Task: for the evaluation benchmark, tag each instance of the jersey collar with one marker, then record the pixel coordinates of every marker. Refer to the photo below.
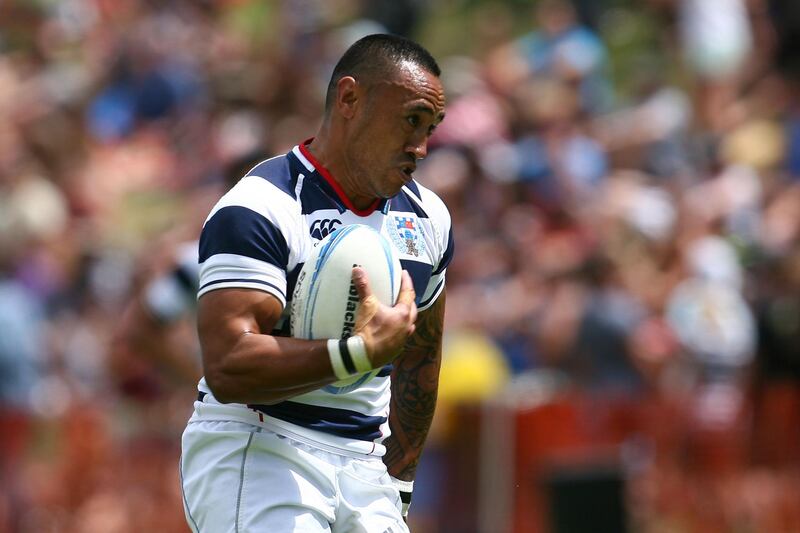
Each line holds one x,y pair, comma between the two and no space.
313,164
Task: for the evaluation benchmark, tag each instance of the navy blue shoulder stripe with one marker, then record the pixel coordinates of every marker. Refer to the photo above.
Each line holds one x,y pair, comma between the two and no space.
339,422
448,253
278,172
241,231
414,188
404,202
296,166
316,196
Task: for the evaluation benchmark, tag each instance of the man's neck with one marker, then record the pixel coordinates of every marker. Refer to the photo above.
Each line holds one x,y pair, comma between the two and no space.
328,154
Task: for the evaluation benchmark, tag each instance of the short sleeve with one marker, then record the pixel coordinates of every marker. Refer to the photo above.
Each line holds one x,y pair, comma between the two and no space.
247,240
444,246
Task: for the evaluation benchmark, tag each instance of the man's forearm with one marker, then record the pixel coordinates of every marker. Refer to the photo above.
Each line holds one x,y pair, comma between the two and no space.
415,382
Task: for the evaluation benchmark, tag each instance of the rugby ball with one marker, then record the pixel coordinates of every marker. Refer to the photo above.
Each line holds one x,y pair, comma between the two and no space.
325,300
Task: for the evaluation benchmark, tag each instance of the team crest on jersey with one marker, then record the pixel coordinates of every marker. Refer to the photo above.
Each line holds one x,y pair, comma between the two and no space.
406,234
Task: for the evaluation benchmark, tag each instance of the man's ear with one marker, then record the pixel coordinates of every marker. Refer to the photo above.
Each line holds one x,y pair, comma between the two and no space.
348,95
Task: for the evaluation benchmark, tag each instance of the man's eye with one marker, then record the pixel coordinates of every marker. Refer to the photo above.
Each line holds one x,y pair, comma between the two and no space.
413,120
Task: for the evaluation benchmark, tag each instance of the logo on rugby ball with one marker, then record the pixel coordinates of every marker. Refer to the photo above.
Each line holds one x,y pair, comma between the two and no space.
406,234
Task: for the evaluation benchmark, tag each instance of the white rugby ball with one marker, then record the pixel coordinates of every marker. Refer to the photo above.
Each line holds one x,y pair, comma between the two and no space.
325,300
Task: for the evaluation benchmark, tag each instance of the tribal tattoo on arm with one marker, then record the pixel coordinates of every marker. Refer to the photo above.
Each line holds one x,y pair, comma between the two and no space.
415,382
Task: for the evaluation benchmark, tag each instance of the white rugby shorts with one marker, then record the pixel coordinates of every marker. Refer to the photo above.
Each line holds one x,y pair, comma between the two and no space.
237,477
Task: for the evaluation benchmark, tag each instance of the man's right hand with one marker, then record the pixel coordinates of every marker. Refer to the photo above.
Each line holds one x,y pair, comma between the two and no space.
384,329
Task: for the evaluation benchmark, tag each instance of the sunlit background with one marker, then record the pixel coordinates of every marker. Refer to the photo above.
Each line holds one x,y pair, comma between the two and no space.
622,347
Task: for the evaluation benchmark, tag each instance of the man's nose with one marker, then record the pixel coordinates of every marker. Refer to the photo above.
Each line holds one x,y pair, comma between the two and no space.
418,147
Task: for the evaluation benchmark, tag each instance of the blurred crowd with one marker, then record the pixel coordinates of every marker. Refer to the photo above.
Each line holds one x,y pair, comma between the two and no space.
624,180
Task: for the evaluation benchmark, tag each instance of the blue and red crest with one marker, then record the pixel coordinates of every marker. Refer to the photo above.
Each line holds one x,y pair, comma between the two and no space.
406,234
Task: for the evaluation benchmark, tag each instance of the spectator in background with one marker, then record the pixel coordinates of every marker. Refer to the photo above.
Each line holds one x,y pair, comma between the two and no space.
150,328
561,48
716,40
587,327
713,271
22,325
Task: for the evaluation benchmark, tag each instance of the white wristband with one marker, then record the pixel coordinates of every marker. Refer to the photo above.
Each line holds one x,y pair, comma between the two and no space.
405,488
339,370
348,356
358,351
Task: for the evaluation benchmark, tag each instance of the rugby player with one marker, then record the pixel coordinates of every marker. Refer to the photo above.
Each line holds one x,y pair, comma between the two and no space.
274,443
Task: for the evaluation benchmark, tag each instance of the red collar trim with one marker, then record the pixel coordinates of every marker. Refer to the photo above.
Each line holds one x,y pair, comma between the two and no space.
335,185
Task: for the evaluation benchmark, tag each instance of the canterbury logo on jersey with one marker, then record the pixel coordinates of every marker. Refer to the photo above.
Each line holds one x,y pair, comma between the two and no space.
322,228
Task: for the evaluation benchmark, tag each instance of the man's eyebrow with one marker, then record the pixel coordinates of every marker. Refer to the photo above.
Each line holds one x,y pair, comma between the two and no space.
426,109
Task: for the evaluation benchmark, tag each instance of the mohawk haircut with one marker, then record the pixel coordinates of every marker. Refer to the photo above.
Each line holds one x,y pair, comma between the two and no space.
376,57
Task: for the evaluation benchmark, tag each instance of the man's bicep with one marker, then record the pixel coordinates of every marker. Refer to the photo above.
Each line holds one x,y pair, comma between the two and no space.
224,315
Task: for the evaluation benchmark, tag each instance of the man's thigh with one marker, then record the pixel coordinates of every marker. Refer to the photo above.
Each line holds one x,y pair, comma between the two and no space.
369,502
237,477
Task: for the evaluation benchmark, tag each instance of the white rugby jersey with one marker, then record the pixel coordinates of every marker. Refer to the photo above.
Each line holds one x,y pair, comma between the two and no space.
259,235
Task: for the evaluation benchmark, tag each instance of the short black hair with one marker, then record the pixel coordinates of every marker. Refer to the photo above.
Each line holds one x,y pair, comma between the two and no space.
375,57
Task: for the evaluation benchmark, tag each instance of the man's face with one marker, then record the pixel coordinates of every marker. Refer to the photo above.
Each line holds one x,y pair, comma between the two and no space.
391,130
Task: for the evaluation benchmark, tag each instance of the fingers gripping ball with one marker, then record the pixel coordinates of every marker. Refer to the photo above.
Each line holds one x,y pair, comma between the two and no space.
325,302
